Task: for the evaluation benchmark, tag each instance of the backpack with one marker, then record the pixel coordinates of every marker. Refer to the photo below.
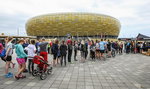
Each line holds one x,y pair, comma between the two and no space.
3,53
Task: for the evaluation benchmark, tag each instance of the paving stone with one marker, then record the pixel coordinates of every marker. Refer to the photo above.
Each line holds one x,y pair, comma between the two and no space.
44,88
80,87
72,86
35,88
9,82
9,87
106,87
18,87
98,87
89,87
26,87
31,83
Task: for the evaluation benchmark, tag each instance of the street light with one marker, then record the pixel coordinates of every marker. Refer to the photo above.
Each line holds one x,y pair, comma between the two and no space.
18,31
97,35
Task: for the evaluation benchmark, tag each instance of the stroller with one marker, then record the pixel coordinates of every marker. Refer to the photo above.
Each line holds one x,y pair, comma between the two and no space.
43,68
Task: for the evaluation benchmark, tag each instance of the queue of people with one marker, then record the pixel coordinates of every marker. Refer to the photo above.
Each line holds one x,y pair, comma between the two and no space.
62,51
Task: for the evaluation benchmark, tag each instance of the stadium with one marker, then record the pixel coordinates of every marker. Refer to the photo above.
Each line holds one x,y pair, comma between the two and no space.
73,24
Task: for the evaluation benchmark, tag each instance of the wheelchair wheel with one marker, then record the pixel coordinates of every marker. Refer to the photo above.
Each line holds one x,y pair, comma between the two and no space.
43,76
49,71
34,73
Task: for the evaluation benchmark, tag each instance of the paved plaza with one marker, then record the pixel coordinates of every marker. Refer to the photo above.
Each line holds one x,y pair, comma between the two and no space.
127,71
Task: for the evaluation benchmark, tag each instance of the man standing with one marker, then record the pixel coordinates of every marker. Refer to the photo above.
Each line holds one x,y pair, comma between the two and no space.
43,49
102,48
75,50
69,51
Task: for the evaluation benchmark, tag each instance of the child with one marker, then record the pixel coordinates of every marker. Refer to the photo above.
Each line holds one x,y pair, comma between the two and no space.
31,49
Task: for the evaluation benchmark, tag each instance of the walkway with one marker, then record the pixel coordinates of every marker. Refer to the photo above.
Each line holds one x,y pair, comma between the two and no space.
127,71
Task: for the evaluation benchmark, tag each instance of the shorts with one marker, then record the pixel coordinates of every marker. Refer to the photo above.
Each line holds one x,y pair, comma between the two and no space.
20,60
97,50
9,58
101,51
54,56
109,49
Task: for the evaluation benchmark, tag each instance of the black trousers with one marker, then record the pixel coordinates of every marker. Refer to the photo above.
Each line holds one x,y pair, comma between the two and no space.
75,54
48,50
30,65
86,53
69,55
63,57
127,50
120,50
92,54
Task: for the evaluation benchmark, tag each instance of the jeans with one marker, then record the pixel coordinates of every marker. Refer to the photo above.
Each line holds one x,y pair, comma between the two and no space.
75,54
69,55
63,57
30,66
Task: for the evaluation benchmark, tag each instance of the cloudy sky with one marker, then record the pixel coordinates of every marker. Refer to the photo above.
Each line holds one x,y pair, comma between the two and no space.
134,15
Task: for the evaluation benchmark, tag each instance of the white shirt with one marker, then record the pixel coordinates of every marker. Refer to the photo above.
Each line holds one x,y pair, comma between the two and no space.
9,45
97,45
31,50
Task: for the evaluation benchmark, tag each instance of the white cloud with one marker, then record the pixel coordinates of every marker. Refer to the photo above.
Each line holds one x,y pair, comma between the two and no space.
130,12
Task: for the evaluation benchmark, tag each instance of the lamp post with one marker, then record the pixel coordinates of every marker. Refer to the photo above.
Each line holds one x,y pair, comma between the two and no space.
18,31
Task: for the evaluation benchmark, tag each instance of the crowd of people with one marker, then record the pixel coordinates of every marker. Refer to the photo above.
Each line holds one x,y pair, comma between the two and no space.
61,51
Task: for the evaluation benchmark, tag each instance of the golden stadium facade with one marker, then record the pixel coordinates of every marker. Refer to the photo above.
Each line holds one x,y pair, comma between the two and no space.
75,24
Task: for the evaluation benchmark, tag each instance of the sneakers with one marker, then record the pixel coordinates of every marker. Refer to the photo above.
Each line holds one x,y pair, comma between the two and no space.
9,75
20,77
75,60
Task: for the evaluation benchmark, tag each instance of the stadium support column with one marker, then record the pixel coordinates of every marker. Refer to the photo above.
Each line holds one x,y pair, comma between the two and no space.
77,35
87,34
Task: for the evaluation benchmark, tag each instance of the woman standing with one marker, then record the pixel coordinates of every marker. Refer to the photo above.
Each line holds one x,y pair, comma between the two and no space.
92,50
20,59
63,52
75,50
2,52
55,52
82,51
69,51
97,49
8,56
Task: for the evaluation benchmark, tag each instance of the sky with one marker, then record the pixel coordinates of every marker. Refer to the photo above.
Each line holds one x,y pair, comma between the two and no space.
134,15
